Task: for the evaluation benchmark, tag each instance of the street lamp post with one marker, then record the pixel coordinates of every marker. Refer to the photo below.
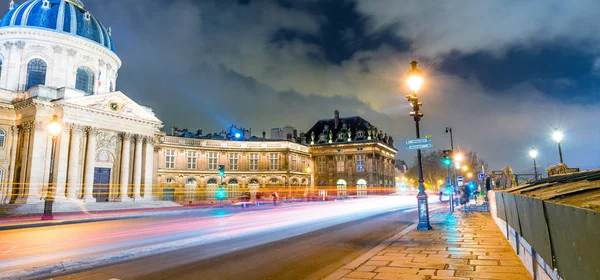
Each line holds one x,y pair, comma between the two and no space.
533,154
415,80
558,137
54,129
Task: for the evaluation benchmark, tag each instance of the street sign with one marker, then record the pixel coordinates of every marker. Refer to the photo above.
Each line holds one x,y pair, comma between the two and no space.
418,146
481,176
417,141
459,179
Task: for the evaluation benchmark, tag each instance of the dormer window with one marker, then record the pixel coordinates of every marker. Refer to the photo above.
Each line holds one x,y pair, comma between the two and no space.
360,134
341,136
322,138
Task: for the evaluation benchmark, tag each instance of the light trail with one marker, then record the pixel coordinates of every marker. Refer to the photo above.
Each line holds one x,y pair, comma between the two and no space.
27,248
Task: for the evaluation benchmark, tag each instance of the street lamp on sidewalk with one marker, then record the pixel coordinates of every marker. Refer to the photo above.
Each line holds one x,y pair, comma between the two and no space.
558,137
414,81
533,154
54,129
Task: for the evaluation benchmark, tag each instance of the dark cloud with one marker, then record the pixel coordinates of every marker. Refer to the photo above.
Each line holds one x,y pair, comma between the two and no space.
494,71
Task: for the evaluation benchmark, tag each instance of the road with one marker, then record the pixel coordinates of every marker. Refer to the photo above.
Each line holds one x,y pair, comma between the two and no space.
320,234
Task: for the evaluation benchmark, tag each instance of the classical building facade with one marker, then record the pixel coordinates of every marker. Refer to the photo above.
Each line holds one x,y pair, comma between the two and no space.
351,156
58,60
188,168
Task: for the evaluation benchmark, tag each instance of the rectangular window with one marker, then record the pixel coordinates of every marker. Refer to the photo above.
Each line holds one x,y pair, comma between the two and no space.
191,159
213,160
253,161
360,162
340,163
294,162
274,161
170,158
233,161
322,165
303,164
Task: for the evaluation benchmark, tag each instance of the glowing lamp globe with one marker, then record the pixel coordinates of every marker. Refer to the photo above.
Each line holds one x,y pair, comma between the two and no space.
415,78
54,127
308,170
557,136
533,153
458,158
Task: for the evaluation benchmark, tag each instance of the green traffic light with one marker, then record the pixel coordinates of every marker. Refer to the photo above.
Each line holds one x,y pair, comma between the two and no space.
447,161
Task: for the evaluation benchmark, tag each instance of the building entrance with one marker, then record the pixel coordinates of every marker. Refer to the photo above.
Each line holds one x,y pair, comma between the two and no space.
101,184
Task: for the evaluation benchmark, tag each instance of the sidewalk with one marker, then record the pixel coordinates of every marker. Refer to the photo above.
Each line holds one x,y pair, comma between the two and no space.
461,246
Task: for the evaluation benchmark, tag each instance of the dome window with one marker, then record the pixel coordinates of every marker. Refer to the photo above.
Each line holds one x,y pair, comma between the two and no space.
46,4
36,73
85,80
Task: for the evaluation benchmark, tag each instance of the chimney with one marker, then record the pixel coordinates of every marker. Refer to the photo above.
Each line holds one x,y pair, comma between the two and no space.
264,135
173,130
336,116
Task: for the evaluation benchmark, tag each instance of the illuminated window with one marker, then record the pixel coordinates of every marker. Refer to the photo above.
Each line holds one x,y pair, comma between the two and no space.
2,138
253,161
191,159
233,189
303,164
211,188
341,187
321,163
340,163
274,161
170,159
361,187
294,162
190,190
233,161
360,162
213,158
85,80
36,73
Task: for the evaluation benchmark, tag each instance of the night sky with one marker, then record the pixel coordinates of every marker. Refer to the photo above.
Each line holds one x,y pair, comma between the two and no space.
503,74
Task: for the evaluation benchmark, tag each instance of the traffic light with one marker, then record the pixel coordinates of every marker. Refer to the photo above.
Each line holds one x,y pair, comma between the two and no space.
221,193
447,161
221,170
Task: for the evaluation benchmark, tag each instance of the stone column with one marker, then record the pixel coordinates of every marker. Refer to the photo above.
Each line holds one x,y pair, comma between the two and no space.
125,153
137,168
60,163
149,168
73,171
10,177
90,165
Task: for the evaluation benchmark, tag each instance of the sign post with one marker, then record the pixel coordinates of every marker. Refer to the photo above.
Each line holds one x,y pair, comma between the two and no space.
418,144
459,180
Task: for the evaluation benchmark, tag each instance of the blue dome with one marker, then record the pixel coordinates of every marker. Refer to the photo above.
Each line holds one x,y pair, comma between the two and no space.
65,16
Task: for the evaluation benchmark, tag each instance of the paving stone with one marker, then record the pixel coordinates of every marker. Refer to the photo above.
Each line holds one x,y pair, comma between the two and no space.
483,262
399,276
426,272
399,270
444,273
361,275
501,269
460,267
376,263
419,265
366,268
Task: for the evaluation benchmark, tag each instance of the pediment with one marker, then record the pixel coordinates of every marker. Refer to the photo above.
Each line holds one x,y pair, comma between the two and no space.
114,103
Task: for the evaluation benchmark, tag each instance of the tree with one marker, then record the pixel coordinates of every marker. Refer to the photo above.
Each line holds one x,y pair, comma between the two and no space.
434,171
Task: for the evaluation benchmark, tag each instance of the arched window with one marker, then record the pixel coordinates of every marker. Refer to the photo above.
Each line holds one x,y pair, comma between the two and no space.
36,73
211,189
233,188
361,187
85,80
1,63
190,190
341,187
2,138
